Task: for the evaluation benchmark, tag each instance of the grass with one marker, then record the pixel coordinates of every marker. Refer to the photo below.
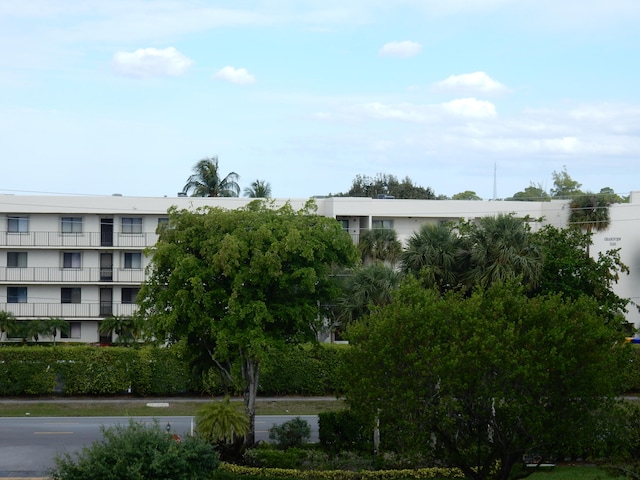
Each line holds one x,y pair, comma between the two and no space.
138,407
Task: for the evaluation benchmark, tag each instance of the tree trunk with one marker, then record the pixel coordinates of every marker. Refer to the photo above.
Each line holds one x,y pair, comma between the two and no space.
250,374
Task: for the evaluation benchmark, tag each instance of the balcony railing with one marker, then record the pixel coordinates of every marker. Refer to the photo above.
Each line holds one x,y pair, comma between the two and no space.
85,239
67,310
71,275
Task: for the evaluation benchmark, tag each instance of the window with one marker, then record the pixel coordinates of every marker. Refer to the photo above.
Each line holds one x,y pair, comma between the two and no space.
132,225
71,224
382,224
344,223
70,295
16,259
129,295
16,294
72,260
17,224
74,330
133,260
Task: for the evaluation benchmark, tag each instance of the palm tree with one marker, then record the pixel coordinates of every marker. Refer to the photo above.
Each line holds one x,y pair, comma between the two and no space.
501,249
207,181
8,323
379,245
589,212
365,288
258,189
222,422
52,325
434,254
126,328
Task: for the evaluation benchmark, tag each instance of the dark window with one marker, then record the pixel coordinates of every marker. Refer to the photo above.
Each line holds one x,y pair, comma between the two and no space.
17,224
71,224
129,295
74,330
132,225
133,260
71,260
70,295
16,259
16,294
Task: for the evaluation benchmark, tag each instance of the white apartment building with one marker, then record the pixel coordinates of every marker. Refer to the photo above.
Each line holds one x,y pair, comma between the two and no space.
80,258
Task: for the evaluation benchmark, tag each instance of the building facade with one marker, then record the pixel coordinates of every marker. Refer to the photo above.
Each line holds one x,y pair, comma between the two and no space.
81,258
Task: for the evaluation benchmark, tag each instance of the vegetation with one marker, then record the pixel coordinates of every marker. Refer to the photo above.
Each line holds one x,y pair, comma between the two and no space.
221,422
292,433
233,284
138,452
258,189
481,381
207,181
386,185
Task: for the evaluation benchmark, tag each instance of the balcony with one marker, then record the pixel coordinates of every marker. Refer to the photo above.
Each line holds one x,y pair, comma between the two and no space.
71,275
70,240
67,310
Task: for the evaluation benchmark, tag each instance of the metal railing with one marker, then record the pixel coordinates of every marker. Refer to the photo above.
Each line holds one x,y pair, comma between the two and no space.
84,239
71,275
68,310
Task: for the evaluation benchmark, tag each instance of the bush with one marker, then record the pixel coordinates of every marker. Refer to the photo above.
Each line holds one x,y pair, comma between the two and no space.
293,433
138,452
343,430
269,457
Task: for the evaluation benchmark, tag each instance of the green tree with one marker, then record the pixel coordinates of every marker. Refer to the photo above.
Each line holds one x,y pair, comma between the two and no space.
207,181
234,283
138,452
221,422
500,249
477,382
365,288
533,193
258,189
564,187
384,184
435,255
568,269
466,195
127,328
51,327
379,245
8,323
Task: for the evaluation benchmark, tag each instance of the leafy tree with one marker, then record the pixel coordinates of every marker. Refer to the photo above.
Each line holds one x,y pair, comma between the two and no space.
365,288
387,185
138,452
533,193
500,249
258,189
477,382
207,181
609,195
564,187
379,245
466,195
435,255
234,283
8,323
568,269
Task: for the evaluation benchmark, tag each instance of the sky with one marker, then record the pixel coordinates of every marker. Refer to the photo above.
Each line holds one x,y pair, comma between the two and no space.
492,96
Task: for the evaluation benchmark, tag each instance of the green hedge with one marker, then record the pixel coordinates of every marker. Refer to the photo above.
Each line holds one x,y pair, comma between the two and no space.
147,370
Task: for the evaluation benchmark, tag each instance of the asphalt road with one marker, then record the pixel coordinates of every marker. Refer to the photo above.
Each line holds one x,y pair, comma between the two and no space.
28,445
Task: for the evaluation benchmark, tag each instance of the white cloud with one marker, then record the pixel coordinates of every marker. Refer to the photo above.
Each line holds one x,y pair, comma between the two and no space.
235,75
470,108
478,82
151,62
405,48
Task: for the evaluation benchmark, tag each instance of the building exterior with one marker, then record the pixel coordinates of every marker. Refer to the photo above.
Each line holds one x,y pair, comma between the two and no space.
81,258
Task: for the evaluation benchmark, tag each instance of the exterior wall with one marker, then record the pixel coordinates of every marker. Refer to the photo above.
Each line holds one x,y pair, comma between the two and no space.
53,263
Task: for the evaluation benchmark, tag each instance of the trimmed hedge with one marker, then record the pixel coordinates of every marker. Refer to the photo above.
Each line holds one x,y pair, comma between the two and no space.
148,370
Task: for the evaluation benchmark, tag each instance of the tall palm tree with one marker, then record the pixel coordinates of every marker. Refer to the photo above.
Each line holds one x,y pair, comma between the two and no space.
258,189
589,213
7,323
53,325
207,181
434,254
379,245
502,249
126,328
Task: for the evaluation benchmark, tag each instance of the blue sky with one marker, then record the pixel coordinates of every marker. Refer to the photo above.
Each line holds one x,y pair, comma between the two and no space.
125,96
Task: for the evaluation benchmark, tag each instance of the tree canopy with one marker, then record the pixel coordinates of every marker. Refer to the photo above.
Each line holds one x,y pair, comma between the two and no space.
232,283
207,181
384,184
477,382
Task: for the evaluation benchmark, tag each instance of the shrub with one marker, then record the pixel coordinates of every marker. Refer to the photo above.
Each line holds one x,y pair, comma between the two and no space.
293,433
138,452
343,430
269,457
